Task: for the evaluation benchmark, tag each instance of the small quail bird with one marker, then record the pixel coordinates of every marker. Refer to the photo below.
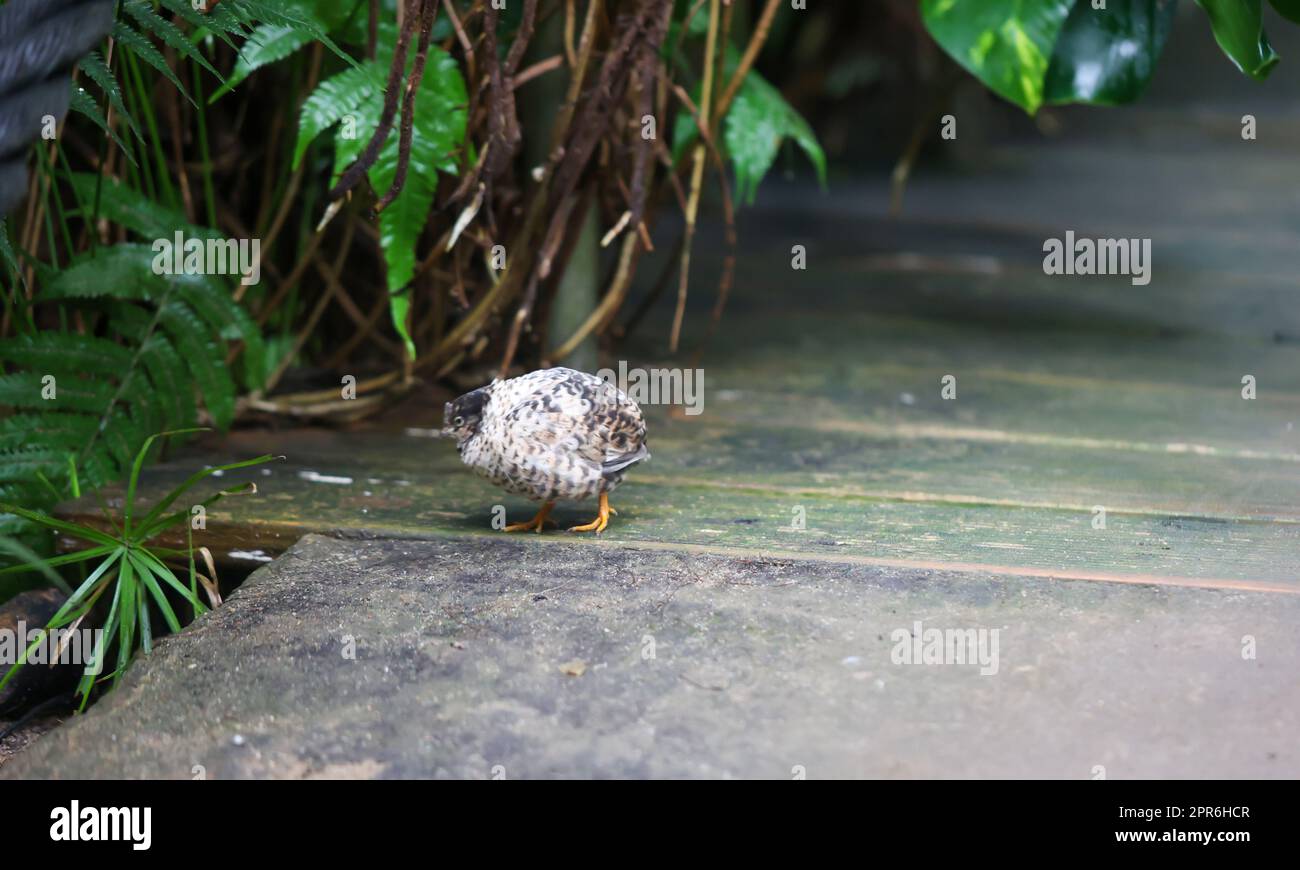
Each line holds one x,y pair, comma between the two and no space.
551,434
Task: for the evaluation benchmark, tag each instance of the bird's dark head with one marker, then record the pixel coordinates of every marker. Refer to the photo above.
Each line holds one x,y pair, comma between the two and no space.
461,418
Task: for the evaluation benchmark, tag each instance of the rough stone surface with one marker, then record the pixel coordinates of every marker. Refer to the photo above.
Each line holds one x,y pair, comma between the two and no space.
514,658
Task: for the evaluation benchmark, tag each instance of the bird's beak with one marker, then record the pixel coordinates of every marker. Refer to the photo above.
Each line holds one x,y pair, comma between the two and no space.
446,418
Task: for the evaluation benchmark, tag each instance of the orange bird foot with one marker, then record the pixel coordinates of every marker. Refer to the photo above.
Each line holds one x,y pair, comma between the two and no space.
536,523
598,524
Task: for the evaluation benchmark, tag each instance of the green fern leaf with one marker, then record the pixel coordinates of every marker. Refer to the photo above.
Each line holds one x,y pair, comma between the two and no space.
145,50
267,44
28,390
119,433
287,16
22,464
221,16
124,205
64,352
121,271
335,98
83,104
66,432
7,252
437,134
229,320
196,310
203,358
169,33
164,366
218,21
98,72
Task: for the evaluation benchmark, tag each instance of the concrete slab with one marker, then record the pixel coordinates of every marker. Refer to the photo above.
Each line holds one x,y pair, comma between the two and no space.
482,657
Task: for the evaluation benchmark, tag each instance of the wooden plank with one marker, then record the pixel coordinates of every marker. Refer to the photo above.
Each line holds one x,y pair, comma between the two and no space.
418,493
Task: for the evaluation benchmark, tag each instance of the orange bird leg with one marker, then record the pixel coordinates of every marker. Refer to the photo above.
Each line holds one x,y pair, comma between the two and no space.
598,524
536,523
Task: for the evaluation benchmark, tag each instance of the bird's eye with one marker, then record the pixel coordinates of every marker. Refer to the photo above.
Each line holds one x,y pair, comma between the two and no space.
459,421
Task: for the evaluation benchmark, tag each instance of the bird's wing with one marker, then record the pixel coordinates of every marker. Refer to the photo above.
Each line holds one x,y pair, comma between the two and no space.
580,413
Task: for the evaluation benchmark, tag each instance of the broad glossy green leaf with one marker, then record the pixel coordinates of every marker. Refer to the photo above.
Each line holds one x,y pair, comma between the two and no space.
754,128
1238,27
1107,56
758,121
1006,44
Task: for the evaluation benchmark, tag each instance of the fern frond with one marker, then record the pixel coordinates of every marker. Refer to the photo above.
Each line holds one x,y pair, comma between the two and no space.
49,352
222,26
83,104
203,358
7,252
288,16
221,17
29,390
164,366
228,318
267,44
23,464
147,52
123,205
97,71
169,33
109,272
339,95
65,433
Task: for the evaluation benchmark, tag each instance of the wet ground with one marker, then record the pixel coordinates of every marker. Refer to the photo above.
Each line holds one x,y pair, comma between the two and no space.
1098,501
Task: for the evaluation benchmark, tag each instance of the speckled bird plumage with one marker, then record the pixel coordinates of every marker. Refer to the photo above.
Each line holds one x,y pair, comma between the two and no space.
550,434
